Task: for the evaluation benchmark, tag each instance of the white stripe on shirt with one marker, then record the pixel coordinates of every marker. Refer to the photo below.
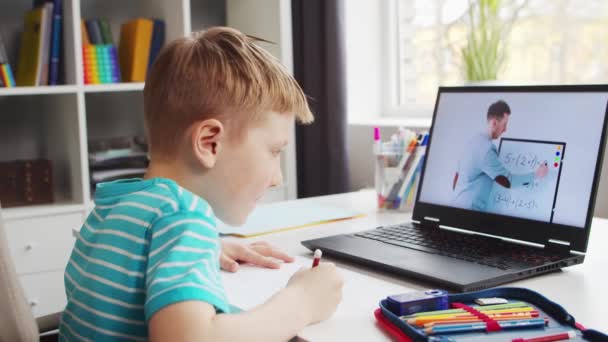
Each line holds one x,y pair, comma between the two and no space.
186,233
104,280
166,228
94,212
132,204
73,333
115,232
161,197
182,263
194,203
108,265
129,219
189,284
109,248
107,315
100,296
204,280
103,331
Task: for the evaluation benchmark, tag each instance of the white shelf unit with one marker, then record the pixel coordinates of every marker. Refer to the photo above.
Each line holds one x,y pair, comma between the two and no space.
56,122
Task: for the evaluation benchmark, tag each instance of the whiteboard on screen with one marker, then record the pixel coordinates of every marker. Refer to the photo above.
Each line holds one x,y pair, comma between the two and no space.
536,200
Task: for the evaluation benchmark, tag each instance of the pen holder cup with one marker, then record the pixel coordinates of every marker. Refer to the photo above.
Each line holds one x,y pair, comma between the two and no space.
393,192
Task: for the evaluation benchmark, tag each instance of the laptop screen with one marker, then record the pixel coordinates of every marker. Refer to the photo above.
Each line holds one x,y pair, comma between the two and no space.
526,155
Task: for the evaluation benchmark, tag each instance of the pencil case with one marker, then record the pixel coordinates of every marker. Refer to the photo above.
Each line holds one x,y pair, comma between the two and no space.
559,320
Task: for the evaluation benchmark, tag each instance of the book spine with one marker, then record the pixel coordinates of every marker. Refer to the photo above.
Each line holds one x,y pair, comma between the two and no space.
94,32
106,32
158,39
56,43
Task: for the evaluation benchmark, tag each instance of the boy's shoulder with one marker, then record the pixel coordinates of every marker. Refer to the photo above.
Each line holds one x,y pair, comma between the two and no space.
161,196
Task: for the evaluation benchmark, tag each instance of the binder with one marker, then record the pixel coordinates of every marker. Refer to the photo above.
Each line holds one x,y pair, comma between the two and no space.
158,39
134,49
30,54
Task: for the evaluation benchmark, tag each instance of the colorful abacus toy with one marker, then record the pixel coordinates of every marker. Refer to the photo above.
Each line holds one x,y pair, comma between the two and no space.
100,64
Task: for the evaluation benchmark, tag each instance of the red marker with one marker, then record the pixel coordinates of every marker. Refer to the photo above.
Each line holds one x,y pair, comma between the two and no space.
549,338
317,258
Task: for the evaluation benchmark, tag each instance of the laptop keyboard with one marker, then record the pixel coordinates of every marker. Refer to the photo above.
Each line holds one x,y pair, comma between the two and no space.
474,248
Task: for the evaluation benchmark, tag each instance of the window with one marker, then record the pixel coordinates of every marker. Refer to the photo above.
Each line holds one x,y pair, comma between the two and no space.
549,42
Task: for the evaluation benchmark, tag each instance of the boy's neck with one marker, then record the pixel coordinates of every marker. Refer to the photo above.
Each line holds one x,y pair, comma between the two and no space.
158,169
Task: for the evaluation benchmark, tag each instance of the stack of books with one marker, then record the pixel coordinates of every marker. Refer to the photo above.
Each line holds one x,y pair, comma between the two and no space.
117,158
40,50
140,42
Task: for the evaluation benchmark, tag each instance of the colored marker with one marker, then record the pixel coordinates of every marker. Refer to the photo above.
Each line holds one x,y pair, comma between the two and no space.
474,319
317,258
477,307
549,338
425,320
416,320
505,325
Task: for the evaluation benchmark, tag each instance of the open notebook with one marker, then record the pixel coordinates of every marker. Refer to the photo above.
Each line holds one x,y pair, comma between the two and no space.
262,283
281,216
251,286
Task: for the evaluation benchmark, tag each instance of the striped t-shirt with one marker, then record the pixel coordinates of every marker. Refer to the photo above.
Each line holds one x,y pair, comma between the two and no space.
146,244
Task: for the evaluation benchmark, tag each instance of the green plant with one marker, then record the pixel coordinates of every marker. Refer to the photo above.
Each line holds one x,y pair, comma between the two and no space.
484,52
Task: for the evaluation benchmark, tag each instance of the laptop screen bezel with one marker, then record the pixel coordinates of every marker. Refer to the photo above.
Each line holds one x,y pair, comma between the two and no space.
507,226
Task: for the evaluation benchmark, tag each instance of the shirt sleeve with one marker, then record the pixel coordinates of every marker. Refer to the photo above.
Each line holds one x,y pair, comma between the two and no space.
493,167
183,263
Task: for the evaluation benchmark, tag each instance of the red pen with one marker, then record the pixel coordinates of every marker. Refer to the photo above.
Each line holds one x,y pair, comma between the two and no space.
317,258
549,338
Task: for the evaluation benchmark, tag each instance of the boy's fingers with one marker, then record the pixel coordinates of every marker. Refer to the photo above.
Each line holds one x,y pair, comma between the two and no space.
269,251
260,243
228,264
253,257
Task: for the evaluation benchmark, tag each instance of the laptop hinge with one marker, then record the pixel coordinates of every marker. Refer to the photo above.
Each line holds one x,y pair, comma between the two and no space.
558,246
429,221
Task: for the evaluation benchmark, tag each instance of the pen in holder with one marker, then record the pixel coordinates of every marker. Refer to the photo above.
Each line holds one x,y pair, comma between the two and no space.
397,170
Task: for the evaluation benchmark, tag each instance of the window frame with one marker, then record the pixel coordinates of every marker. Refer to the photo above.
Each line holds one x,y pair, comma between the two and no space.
391,109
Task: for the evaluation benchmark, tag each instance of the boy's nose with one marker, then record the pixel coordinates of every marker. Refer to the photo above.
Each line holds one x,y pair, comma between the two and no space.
277,179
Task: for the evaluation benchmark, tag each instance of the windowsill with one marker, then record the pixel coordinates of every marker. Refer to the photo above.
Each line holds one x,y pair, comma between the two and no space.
411,122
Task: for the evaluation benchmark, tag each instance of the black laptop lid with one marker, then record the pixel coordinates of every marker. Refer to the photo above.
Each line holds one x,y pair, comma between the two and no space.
518,162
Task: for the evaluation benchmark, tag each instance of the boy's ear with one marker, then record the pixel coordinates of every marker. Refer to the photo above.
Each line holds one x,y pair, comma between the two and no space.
207,141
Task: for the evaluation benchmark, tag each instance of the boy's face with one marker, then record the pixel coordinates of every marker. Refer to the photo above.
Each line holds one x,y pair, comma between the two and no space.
247,166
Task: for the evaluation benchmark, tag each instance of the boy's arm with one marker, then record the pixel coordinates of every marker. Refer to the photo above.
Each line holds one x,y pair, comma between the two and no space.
197,321
311,295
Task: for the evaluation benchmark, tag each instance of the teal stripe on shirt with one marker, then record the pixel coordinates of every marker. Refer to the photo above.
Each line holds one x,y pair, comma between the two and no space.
147,244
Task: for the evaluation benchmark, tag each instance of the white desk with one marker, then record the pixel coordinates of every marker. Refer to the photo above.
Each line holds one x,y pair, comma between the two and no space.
581,289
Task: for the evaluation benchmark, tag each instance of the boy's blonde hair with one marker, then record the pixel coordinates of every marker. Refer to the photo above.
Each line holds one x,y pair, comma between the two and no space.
217,73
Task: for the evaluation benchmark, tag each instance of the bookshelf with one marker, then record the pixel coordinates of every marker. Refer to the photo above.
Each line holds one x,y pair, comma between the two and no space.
56,122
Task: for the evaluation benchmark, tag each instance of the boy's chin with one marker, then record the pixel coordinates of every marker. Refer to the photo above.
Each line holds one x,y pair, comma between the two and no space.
235,220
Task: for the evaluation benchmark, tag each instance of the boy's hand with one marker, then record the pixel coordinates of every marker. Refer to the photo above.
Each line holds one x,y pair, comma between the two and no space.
259,253
320,288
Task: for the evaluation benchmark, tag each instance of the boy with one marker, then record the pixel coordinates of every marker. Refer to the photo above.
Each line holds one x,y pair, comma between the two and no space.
218,111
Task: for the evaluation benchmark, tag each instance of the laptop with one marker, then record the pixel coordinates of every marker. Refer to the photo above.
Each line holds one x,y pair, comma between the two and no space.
498,201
